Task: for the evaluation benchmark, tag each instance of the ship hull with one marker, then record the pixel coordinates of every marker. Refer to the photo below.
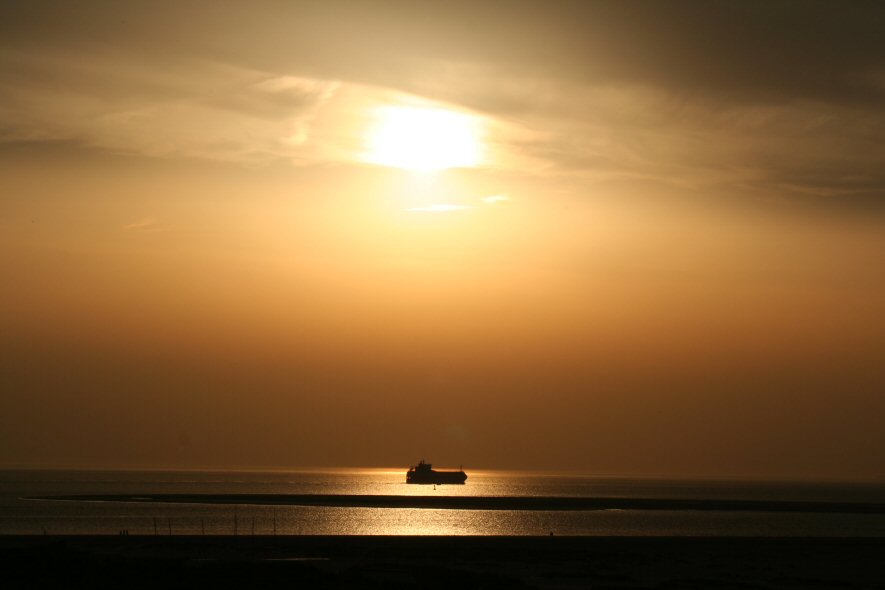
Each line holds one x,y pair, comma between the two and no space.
437,477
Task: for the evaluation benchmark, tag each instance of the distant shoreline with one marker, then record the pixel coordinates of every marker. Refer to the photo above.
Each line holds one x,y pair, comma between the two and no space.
484,502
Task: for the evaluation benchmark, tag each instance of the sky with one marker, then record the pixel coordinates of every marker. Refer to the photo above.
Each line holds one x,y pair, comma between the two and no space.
615,238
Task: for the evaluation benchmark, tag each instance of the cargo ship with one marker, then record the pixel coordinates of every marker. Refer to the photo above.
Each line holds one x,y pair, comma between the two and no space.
424,473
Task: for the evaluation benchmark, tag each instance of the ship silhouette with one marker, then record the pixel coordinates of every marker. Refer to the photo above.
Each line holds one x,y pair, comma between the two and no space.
424,473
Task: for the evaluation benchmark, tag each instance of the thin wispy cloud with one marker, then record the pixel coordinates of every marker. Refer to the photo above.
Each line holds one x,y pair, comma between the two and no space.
143,224
491,200
440,208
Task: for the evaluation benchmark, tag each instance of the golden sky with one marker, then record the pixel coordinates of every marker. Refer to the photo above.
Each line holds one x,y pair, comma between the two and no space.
609,237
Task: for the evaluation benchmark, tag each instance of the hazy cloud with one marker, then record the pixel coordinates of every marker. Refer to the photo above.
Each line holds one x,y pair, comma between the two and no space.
194,109
697,94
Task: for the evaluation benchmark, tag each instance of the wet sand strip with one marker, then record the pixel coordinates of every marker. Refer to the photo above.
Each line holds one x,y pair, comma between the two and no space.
487,502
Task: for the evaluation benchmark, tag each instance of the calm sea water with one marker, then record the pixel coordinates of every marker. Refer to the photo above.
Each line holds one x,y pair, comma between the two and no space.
19,515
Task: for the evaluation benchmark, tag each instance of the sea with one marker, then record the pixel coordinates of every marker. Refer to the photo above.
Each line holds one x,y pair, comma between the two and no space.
22,514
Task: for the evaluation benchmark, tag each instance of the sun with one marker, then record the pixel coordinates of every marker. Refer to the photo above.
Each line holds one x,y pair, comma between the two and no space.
424,139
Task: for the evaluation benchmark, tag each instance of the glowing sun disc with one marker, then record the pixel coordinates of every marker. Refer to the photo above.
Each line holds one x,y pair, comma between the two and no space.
423,139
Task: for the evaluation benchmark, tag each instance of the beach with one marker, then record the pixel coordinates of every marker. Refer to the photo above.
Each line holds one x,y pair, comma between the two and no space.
349,529
437,562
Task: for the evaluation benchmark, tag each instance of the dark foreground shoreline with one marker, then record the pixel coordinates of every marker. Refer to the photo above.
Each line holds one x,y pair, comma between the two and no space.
441,562
442,502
